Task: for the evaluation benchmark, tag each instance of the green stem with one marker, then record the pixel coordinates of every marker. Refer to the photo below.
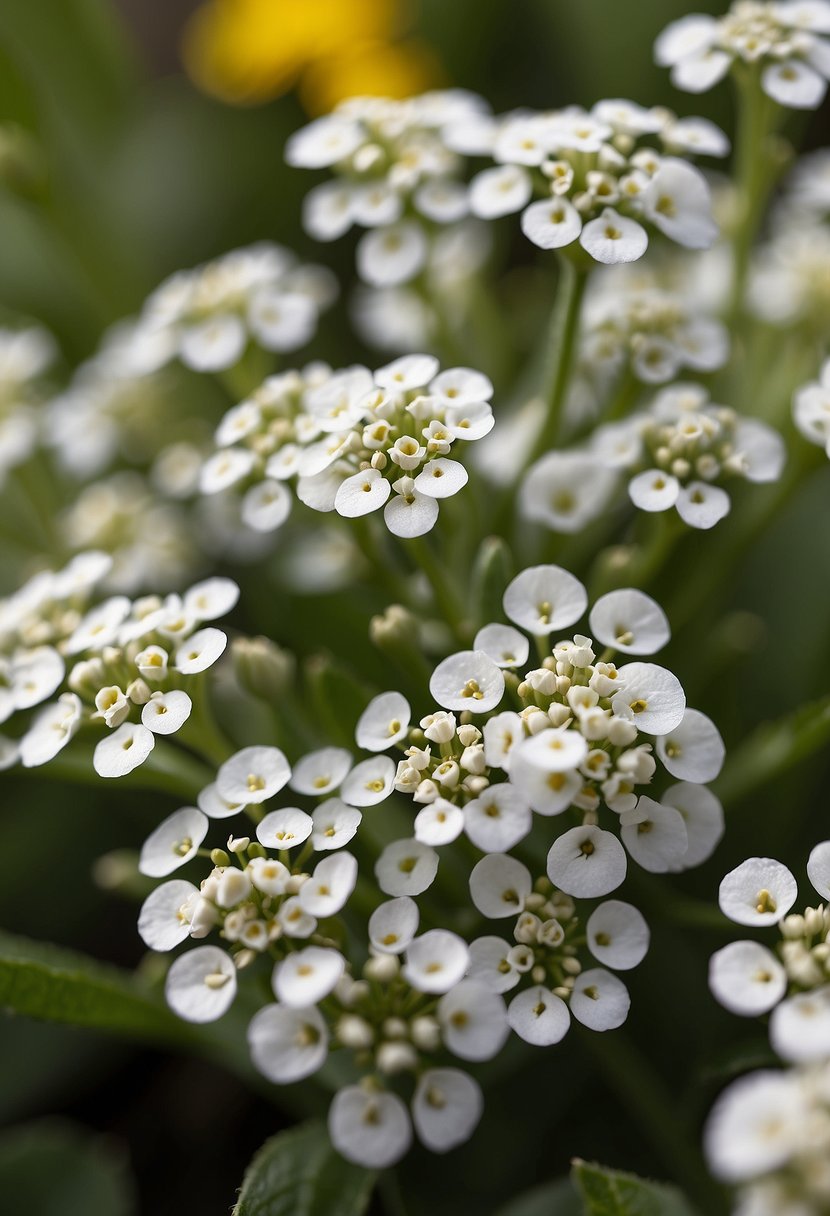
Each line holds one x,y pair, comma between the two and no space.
562,349
753,178
446,599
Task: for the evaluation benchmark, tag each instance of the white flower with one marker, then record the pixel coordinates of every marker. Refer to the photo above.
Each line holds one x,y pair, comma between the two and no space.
613,238
286,1044
51,730
651,697
655,835
392,255
467,680
553,751
407,373
369,782
446,1108
406,867
294,920
760,449
703,816
266,506
490,964
544,598
693,750
760,891
497,820
410,513
166,712
210,599
330,886
799,1029
566,490
551,223
224,469
324,142
678,202
746,978
173,843
393,925
547,792
600,1000
268,875
501,734
586,862
500,191
618,935
307,976
756,1126
439,823
320,772
163,921
701,505
441,478
334,824
201,650
473,1021
122,751
384,722
34,676
284,829
795,84
253,775
362,493
212,804
281,320
499,886
654,490
98,628
201,984
818,868
630,620
436,961
539,1017
371,1129
503,644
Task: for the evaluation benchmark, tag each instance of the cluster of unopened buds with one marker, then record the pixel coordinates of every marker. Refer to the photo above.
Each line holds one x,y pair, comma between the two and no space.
123,663
356,441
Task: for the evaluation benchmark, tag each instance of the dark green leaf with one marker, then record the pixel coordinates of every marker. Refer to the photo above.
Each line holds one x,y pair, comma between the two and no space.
772,749
611,1193
53,1168
298,1173
553,1199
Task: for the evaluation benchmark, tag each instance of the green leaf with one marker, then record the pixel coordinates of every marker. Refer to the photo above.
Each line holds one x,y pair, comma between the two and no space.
492,571
57,985
772,749
552,1199
52,1168
611,1193
298,1173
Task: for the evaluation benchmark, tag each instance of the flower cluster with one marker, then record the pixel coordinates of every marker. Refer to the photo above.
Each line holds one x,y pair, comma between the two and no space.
207,316
599,178
811,409
396,175
644,329
749,979
579,737
780,41
25,355
678,450
122,663
769,1134
355,440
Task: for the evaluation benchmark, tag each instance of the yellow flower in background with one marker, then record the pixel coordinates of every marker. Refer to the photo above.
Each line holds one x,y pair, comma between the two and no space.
249,51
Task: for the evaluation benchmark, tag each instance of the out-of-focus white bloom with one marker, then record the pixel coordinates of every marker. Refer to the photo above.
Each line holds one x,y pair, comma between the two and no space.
746,978
811,409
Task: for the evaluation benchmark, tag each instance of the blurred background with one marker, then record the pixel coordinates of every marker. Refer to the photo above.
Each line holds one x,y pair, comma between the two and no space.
143,136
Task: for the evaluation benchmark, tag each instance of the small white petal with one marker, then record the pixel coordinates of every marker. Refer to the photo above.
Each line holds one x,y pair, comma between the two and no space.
760,891
439,823
630,620
384,722
500,191
539,1017
499,885
393,925
746,978
166,712
693,750
793,83
600,1000
701,505
174,842
655,835
369,1129
200,651
552,223
320,772
436,961
369,782
799,1029
473,1021
818,868
544,598
467,680
586,862
335,824
361,494
618,935
703,816
612,238
201,984
503,644
654,490
253,775
288,1045
326,892
441,478
651,697
498,819
446,1108
406,867
307,976
125,749
284,829
161,924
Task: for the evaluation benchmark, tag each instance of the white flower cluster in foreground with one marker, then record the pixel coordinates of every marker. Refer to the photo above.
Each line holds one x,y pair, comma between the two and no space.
811,409
749,979
207,316
780,41
422,998
356,441
653,333
122,663
395,175
769,1134
25,355
679,450
602,181
575,737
